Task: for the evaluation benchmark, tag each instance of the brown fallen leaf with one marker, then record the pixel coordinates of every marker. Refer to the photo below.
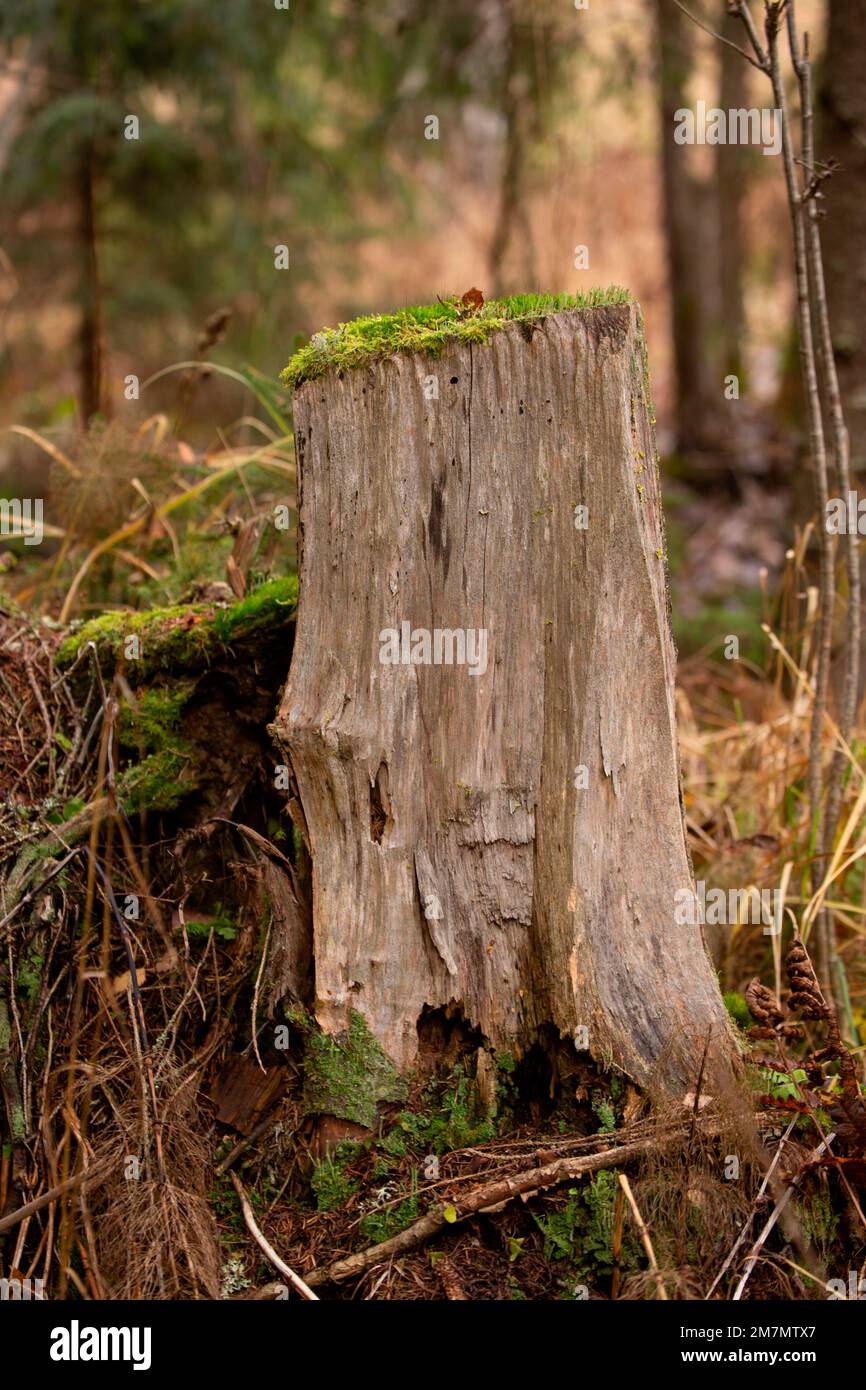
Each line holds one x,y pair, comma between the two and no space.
472,299
120,984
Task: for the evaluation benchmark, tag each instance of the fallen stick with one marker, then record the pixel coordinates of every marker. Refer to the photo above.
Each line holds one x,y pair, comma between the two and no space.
29,1208
243,1144
294,1279
783,1201
644,1235
492,1194
750,1218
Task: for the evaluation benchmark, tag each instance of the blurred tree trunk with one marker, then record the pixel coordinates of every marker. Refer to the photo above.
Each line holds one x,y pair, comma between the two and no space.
732,170
843,233
90,333
512,217
508,845
692,235
86,60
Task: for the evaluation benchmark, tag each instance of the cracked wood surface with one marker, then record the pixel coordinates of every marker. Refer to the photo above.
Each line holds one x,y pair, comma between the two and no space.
454,859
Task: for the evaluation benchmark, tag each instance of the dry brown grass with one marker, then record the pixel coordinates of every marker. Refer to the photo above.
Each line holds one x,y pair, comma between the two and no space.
744,738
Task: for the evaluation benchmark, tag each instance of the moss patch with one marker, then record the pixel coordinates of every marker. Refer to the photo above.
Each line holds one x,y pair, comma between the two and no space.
150,723
428,328
183,637
159,782
349,1076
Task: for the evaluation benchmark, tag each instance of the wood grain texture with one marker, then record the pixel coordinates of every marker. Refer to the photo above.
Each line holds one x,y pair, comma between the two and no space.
424,784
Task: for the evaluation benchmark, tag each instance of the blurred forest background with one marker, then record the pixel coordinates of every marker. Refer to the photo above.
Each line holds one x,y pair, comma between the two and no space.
152,160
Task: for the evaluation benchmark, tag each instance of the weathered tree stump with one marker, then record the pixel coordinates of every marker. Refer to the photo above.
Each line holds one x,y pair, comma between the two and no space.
504,834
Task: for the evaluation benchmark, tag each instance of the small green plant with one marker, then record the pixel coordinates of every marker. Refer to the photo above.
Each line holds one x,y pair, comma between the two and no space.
560,1228
605,1113
222,926
332,1186
820,1221
738,1009
383,1222
581,1232
30,975
781,1085
449,1121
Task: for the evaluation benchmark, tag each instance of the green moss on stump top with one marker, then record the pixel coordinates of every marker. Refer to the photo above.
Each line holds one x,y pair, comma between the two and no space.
429,328
185,636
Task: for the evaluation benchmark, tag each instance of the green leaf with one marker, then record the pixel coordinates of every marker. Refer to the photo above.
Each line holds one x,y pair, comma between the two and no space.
450,1214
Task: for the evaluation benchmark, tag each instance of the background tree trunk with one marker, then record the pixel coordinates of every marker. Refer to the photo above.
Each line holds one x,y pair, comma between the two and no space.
842,137
733,166
455,864
692,240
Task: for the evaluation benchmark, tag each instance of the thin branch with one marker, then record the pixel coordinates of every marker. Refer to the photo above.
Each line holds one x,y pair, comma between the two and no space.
739,9
774,1216
721,38
294,1279
79,1179
644,1235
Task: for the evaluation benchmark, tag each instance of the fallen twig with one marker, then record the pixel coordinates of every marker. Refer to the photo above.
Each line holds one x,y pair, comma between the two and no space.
491,1194
294,1279
29,1208
774,1216
644,1235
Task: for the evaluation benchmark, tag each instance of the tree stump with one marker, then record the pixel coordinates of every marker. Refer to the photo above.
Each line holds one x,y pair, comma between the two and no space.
479,715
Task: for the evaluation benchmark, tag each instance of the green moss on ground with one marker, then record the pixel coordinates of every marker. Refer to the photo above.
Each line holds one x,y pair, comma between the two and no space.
267,607
182,637
159,782
160,767
149,724
429,327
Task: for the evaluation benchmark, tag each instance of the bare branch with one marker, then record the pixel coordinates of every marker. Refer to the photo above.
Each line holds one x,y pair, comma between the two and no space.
297,1283
721,38
739,9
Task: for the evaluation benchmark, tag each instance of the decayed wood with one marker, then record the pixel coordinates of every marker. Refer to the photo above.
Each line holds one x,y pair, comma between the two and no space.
456,857
243,1091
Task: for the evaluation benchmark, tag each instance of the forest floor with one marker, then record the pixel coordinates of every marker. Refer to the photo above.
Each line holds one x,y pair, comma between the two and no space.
173,1054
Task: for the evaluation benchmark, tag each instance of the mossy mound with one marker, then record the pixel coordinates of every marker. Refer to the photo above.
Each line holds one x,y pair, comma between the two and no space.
150,726
199,687
183,637
429,327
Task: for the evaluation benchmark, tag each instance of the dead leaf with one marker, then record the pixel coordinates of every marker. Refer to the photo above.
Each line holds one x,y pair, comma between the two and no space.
472,299
235,577
120,984
703,1101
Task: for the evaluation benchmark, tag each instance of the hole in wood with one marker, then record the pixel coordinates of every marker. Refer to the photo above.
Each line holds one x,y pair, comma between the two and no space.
380,805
